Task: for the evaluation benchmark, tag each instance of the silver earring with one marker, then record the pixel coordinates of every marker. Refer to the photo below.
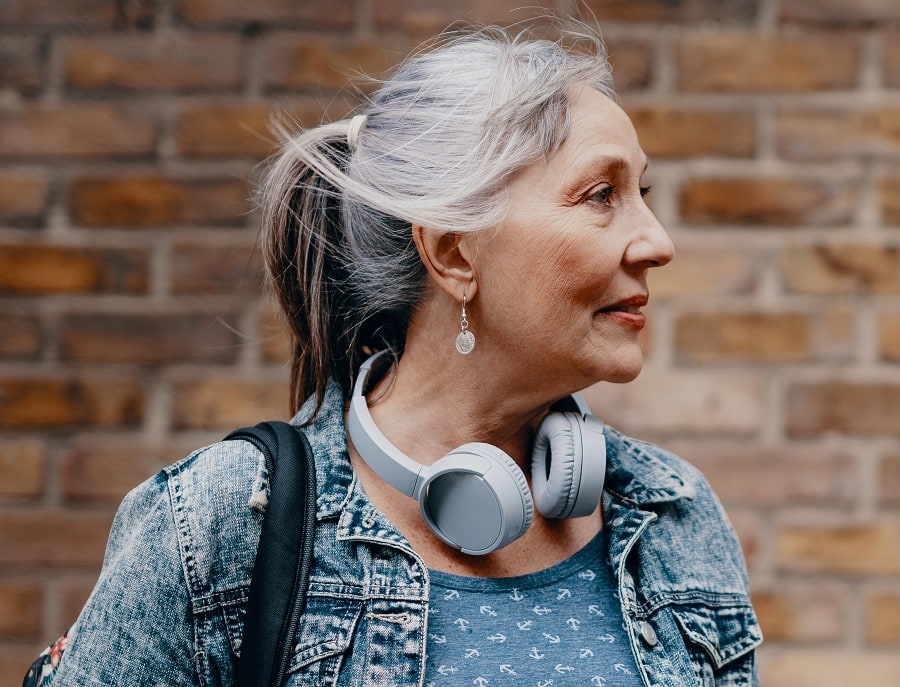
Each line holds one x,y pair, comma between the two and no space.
465,340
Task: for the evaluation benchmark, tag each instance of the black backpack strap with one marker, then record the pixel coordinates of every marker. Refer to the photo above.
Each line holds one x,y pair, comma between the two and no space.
283,557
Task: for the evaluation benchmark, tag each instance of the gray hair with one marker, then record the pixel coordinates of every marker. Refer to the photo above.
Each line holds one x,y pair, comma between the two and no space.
442,137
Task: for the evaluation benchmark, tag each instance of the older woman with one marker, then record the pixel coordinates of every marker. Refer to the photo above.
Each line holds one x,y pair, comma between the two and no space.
454,263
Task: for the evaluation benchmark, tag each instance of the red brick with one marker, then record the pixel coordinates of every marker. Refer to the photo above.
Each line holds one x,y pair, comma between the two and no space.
74,590
16,657
325,13
715,337
632,63
856,408
889,190
23,196
20,609
704,270
77,130
768,201
839,134
220,403
891,60
155,201
22,63
679,11
36,269
228,129
59,13
431,16
889,481
275,339
222,269
764,477
22,467
750,62
889,336
883,618
709,403
148,338
170,62
829,667
840,13
832,268
804,612
841,548
56,402
311,61
20,337
53,538
105,470
670,131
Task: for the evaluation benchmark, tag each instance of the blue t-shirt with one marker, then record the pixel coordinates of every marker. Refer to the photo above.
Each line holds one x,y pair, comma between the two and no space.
557,627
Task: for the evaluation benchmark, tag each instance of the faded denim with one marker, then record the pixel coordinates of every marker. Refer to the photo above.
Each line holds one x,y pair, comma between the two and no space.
168,607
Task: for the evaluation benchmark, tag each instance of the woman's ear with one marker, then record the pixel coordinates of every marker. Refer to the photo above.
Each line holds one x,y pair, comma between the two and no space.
449,258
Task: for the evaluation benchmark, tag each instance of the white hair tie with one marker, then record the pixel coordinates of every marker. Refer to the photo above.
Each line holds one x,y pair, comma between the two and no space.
356,125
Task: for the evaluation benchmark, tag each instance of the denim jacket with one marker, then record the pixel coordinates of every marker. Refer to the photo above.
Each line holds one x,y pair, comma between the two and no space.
168,607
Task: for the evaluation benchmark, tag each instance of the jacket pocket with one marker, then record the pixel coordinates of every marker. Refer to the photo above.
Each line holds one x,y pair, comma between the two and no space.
720,641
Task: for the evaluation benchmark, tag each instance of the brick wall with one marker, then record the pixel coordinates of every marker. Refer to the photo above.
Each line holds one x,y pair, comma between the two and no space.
132,327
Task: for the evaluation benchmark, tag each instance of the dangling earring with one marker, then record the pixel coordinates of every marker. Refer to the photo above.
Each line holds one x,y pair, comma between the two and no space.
465,340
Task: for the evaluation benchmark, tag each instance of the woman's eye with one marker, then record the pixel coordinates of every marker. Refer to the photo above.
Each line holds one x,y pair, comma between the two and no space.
602,195
645,190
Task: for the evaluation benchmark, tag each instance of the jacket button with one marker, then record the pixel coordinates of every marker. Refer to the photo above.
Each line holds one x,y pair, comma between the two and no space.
648,634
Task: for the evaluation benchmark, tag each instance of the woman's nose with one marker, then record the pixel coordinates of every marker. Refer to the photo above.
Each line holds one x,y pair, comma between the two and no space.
652,246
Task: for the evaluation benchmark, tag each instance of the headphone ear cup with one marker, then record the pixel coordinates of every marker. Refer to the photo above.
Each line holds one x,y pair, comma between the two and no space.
568,465
476,499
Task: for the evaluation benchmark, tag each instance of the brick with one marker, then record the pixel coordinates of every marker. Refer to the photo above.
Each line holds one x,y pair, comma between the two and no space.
832,667
20,609
153,338
220,403
22,467
748,528
77,130
709,403
20,337
833,269
231,269
323,13
74,590
856,408
105,470
675,11
53,538
889,191
276,345
889,336
838,134
23,196
154,201
22,60
891,59
715,337
66,402
167,62
431,16
704,270
296,61
670,131
228,129
749,62
59,13
767,477
768,201
868,548
803,612
889,481
840,13
632,63
883,618
37,269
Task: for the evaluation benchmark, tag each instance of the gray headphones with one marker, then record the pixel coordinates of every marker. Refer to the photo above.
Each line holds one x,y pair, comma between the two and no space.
475,498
